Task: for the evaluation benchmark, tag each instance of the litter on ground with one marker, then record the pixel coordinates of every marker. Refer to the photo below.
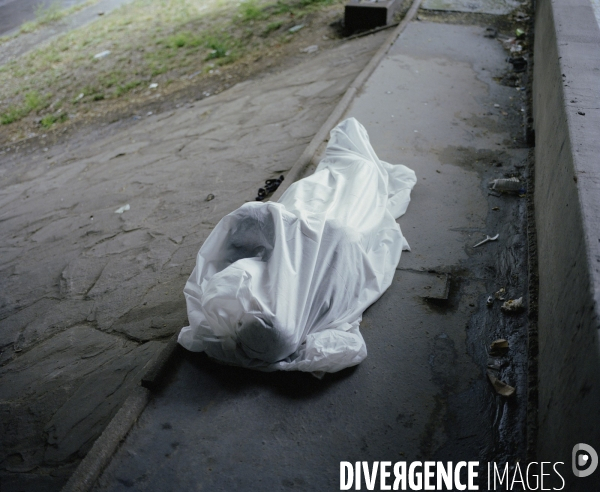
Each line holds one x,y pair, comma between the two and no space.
122,209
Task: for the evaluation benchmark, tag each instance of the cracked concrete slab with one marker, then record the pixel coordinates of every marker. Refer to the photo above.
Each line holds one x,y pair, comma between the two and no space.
61,393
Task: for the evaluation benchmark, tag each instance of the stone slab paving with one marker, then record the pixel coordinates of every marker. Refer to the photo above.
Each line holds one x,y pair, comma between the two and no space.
89,296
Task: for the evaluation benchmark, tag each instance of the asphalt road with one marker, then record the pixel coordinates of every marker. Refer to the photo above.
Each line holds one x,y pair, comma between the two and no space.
13,13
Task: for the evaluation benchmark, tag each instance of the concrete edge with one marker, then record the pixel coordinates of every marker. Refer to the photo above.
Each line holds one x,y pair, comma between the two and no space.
152,376
99,456
322,135
566,111
106,445
90,468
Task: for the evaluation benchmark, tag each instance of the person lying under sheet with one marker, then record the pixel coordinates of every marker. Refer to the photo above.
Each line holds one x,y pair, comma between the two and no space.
283,285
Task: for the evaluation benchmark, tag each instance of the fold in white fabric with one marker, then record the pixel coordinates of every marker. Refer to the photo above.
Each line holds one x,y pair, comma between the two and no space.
283,285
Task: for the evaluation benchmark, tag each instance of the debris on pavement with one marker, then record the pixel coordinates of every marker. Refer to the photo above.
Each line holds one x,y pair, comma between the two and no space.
487,239
500,294
507,185
519,63
506,40
438,287
153,85
270,186
102,54
296,28
499,347
490,32
490,301
210,197
513,305
501,387
521,17
122,209
495,364
310,49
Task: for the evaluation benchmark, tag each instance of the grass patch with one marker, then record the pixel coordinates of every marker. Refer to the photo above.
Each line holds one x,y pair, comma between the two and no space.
50,13
182,40
149,41
32,101
272,26
220,47
50,119
250,10
125,88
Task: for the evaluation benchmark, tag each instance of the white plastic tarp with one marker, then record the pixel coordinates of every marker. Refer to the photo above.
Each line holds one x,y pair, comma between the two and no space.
283,285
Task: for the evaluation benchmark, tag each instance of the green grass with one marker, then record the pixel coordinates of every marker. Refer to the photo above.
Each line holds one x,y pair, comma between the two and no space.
12,114
249,10
51,13
33,101
272,26
125,88
49,120
219,46
181,40
149,40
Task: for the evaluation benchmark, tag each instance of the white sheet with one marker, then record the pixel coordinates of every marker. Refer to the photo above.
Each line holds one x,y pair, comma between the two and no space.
282,286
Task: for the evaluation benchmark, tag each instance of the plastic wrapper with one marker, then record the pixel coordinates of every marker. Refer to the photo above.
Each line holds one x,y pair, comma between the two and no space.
283,285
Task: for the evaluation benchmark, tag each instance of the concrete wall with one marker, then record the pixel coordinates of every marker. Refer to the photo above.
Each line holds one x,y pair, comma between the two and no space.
566,107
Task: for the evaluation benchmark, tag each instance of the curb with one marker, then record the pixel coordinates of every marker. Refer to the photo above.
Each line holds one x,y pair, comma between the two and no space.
90,468
88,471
85,475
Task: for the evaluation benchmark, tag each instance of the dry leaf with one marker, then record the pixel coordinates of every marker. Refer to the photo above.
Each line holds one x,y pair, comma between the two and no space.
501,387
513,305
499,346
